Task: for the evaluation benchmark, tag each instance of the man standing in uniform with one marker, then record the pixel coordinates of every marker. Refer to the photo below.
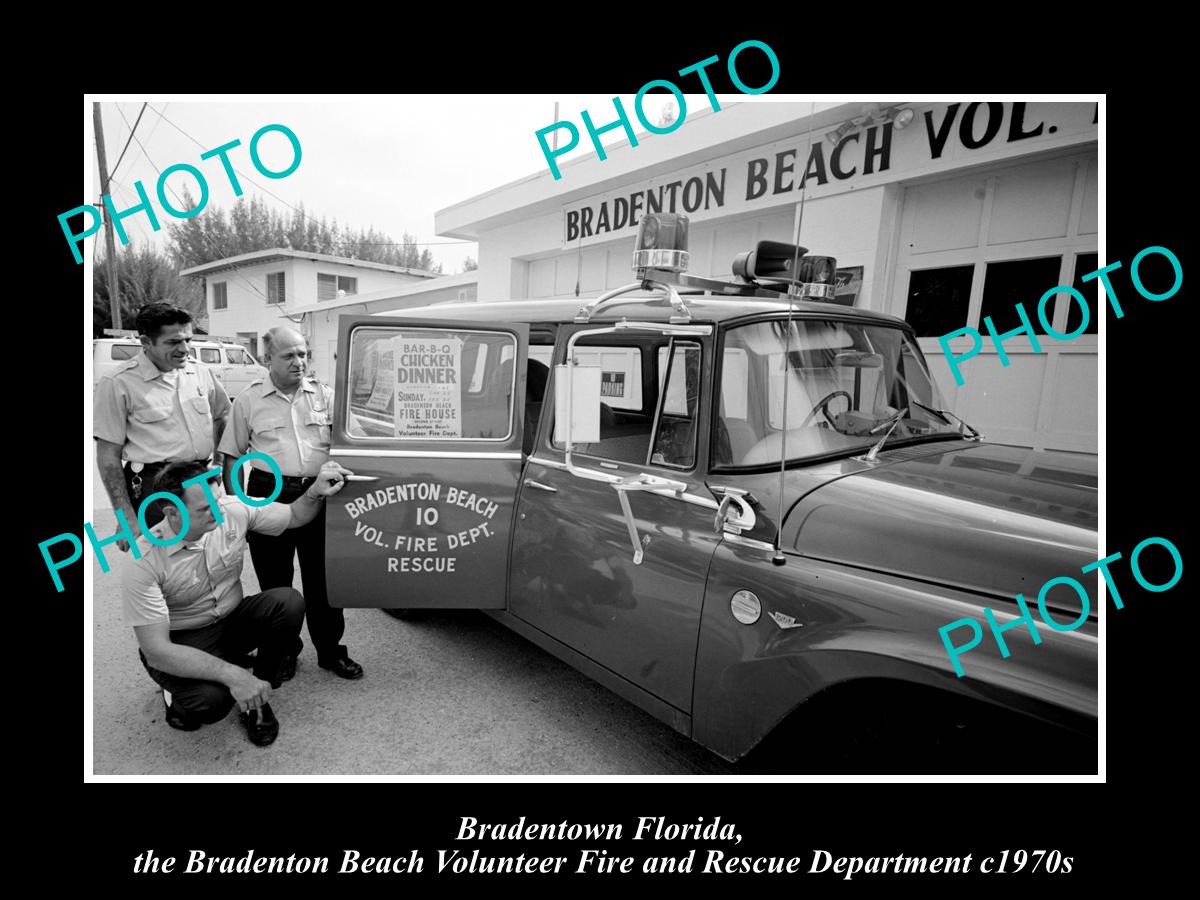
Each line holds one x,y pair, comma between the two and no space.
287,416
161,407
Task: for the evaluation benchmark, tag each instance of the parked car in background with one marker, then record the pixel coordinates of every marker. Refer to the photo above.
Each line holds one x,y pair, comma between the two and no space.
231,364
111,354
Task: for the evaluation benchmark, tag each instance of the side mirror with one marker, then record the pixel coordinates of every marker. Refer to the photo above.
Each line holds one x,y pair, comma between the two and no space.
577,415
858,360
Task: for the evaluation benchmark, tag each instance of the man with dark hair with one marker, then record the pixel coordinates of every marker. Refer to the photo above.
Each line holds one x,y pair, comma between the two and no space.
160,407
287,416
184,599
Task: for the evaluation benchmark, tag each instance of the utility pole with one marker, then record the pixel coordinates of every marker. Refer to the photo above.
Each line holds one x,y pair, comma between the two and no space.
114,299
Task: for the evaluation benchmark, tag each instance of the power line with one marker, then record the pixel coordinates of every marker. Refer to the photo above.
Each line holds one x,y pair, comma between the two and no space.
113,170
219,252
301,213
149,137
400,243
128,194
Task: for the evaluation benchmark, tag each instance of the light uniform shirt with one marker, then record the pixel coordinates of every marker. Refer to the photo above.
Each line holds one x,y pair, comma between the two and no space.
294,433
159,416
194,583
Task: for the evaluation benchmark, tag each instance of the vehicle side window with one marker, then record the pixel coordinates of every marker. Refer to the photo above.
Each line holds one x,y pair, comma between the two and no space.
679,369
210,355
236,356
734,433
417,383
626,419
478,371
125,351
537,375
620,374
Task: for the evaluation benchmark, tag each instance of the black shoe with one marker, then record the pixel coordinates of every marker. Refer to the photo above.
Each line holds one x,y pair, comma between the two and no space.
261,725
343,667
285,671
179,719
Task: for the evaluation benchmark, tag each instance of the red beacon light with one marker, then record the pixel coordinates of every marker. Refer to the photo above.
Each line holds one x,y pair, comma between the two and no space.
660,256
662,242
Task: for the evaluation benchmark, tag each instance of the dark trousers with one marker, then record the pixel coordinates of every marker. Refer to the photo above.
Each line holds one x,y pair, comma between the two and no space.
272,558
269,621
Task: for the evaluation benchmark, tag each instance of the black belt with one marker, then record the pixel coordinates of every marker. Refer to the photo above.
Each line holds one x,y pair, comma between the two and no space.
262,484
288,480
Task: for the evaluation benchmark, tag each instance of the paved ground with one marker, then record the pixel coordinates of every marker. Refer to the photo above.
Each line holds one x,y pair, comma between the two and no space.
453,693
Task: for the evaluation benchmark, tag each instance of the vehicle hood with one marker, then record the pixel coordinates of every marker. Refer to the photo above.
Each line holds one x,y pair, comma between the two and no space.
983,517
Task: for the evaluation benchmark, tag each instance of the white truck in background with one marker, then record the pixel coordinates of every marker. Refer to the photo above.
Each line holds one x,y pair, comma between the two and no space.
232,364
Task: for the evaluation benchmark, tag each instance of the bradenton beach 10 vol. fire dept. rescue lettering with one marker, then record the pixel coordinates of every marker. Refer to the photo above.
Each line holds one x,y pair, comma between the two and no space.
433,546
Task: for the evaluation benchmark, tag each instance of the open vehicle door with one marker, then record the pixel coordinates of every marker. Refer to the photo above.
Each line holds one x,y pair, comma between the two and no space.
428,416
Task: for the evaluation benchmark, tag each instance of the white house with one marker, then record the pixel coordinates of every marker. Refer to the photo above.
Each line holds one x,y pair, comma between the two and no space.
247,295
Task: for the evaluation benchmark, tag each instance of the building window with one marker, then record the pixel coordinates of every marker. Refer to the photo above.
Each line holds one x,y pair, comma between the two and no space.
275,292
329,285
938,299
220,296
1016,281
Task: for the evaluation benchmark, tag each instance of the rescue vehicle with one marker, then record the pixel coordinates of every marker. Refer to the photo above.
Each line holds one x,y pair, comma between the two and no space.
721,500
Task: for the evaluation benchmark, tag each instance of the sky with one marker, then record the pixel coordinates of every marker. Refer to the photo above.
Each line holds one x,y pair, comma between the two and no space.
386,162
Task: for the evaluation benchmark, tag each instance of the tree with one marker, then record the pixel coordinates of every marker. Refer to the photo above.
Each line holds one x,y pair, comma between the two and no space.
251,225
143,276
469,264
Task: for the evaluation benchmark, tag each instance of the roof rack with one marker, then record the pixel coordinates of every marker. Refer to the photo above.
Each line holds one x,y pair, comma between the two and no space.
681,315
772,271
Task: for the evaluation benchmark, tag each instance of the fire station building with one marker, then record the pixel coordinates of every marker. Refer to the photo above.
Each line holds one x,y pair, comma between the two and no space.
941,213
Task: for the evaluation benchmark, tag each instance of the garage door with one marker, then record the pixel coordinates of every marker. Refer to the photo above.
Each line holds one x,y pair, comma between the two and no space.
975,246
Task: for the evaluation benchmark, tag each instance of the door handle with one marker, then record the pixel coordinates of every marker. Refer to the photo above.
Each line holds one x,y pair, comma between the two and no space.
540,486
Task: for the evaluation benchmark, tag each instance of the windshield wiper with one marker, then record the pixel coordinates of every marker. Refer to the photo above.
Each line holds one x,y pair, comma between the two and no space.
942,413
890,424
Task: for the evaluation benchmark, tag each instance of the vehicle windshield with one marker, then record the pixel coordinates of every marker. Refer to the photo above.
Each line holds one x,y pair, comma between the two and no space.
842,380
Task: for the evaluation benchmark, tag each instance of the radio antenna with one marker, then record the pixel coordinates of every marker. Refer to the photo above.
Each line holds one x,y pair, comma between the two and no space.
778,557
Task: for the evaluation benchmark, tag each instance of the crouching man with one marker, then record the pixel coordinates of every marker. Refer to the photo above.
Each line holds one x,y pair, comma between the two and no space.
184,600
